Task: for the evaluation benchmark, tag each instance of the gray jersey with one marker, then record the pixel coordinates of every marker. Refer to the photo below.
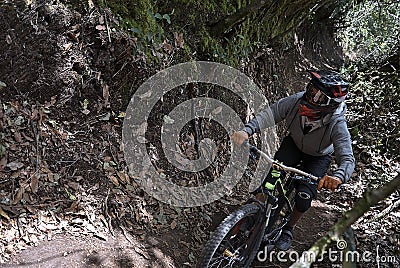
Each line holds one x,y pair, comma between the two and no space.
331,136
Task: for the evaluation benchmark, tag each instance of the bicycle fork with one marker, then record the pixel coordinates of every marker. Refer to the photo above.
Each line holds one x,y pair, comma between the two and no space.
267,204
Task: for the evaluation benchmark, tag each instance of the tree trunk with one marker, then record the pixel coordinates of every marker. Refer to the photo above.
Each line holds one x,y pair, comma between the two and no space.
370,198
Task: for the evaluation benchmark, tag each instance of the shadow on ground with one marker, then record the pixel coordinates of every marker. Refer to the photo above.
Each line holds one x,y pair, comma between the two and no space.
84,252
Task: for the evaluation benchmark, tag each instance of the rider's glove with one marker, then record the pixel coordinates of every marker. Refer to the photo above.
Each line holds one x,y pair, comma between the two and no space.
239,137
329,182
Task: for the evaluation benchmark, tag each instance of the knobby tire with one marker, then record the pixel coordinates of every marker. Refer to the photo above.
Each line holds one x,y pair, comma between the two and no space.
227,227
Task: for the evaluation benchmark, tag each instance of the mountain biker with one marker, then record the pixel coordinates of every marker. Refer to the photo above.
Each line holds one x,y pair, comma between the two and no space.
317,129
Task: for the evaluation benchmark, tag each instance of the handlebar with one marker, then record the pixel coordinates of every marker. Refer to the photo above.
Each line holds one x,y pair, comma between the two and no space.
246,144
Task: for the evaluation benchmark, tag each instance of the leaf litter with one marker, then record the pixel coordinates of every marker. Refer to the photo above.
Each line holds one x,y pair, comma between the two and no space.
62,170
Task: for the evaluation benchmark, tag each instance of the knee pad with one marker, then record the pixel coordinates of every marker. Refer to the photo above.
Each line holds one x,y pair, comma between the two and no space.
303,200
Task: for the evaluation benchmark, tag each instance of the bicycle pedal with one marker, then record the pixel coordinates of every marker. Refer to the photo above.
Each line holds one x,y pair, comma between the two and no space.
229,254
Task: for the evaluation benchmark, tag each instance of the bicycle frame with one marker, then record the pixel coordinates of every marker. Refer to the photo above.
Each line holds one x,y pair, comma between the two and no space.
272,202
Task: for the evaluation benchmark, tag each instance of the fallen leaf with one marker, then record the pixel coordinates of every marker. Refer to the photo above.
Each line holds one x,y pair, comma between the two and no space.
100,27
2,84
8,39
67,46
72,36
114,180
27,137
3,162
179,41
17,137
91,228
123,177
18,198
34,184
4,214
173,224
168,48
90,3
145,95
105,117
14,165
106,94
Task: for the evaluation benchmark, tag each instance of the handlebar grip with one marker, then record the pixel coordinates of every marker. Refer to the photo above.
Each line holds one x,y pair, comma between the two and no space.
246,144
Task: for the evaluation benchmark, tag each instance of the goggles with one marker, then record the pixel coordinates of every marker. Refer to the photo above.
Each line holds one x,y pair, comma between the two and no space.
317,97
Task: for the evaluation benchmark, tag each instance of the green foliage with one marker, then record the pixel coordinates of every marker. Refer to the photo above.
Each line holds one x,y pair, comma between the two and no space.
372,30
372,26
371,42
138,15
153,22
142,20
371,36
374,101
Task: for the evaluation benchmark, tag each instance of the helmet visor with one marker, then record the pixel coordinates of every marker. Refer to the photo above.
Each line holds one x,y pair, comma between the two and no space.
317,97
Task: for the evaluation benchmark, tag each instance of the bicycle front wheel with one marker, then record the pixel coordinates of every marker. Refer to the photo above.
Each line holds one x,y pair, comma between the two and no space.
236,240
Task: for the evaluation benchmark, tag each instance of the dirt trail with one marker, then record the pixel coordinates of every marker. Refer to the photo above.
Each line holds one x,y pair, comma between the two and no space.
71,251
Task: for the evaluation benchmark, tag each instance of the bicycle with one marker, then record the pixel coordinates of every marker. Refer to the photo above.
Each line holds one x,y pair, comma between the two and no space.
237,240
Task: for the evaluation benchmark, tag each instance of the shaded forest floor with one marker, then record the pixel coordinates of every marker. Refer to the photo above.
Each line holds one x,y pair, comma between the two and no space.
126,251
63,181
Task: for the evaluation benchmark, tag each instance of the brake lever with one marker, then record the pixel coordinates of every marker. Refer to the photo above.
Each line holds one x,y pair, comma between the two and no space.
253,152
308,180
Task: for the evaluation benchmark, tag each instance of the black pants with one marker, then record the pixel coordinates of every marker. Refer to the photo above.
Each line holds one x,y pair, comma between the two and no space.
290,155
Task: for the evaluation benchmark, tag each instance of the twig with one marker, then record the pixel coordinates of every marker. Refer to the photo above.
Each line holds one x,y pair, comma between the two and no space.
386,211
393,136
123,66
126,235
19,227
111,151
35,132
89,219
107,215
108,29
